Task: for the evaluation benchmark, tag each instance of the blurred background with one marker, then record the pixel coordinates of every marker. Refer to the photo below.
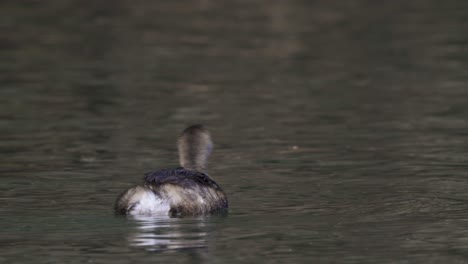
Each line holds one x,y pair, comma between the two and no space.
340,128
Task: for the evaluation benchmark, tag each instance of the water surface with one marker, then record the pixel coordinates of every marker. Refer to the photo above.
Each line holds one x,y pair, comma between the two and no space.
340,129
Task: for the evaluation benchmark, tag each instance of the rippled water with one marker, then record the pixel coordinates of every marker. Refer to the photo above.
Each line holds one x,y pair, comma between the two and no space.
340,129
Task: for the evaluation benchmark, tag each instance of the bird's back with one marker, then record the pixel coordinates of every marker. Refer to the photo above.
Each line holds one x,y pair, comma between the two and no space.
187,192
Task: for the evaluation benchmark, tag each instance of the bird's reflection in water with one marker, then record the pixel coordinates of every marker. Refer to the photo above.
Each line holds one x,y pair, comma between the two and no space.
165,233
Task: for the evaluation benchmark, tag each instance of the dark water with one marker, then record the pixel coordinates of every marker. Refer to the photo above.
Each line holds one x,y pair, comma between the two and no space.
341,129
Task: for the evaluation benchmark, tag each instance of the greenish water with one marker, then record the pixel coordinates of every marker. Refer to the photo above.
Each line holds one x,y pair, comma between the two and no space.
340,129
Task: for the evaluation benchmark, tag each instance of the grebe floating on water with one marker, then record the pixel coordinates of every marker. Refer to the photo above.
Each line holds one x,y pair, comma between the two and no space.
187,190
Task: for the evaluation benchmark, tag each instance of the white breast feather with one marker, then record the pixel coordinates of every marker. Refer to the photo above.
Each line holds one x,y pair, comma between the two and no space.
150,204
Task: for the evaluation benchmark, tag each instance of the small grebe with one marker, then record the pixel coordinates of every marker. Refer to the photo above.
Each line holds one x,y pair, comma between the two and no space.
181,191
